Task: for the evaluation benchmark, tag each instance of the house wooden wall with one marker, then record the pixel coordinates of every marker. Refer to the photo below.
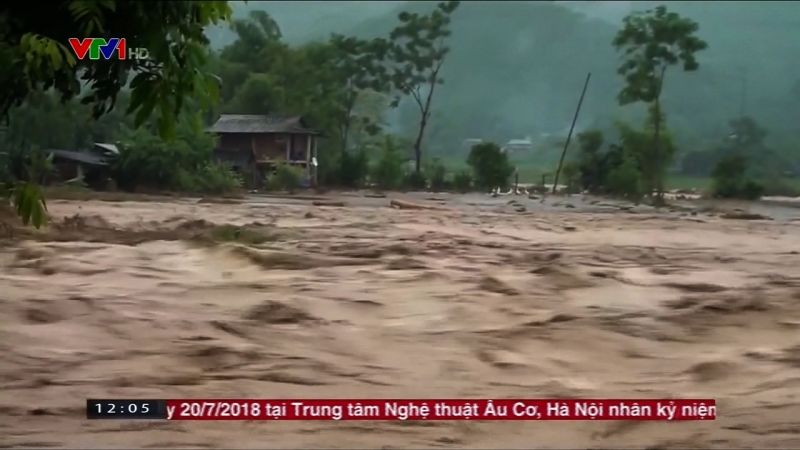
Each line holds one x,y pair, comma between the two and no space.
265,146
235,142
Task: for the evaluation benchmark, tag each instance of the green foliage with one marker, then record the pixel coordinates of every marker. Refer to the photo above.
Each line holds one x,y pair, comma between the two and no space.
387,172
752,190
358,66
285,178
627,169
571,173
651,161
730,179
28,201
21,187
781,186
592,165
34,51
145,160
35,59
462,181
438,175
490,166
182,164
328,170
353,168
651,41
208,178
416,181
43,121
624,180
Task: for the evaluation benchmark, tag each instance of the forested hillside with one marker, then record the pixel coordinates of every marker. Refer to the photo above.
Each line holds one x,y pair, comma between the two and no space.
516,68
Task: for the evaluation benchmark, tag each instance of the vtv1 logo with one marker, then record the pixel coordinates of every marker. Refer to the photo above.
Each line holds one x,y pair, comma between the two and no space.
97,47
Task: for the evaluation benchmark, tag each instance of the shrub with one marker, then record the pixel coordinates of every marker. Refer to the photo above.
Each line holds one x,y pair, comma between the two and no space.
387,173
209,178
285,178
353,169
590,160
147,160
462,181
329,167
571,177
730,179
185,181
781,186
490,166
438,175
751,190
625,180
415,180
217,179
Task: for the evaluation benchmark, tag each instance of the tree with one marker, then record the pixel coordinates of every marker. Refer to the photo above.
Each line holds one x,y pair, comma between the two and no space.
651,41
730,181
650,158
625,179
34,57
571,177
286,177
33,50
358,67
590,160
438,175
490,166
417,51
462,181
388,169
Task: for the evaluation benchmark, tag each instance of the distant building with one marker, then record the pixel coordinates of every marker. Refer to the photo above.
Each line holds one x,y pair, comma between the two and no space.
469,143
254,145
518,145
90,166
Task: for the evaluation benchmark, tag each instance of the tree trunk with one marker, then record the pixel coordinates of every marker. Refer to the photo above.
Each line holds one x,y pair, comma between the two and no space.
347,120
659,178
423,122
418,142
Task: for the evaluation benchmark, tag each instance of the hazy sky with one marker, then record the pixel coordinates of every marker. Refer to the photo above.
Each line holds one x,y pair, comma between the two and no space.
612,11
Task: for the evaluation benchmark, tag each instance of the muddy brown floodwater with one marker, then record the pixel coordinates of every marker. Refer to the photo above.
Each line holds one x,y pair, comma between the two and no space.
480,298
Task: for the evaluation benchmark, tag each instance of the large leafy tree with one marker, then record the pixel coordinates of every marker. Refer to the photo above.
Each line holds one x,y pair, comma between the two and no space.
650,42
358,67
34,57
417,51
490,166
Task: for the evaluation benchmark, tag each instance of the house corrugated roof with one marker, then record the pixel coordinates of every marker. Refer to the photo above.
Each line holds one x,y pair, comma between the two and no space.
110,148
248,123
83,157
